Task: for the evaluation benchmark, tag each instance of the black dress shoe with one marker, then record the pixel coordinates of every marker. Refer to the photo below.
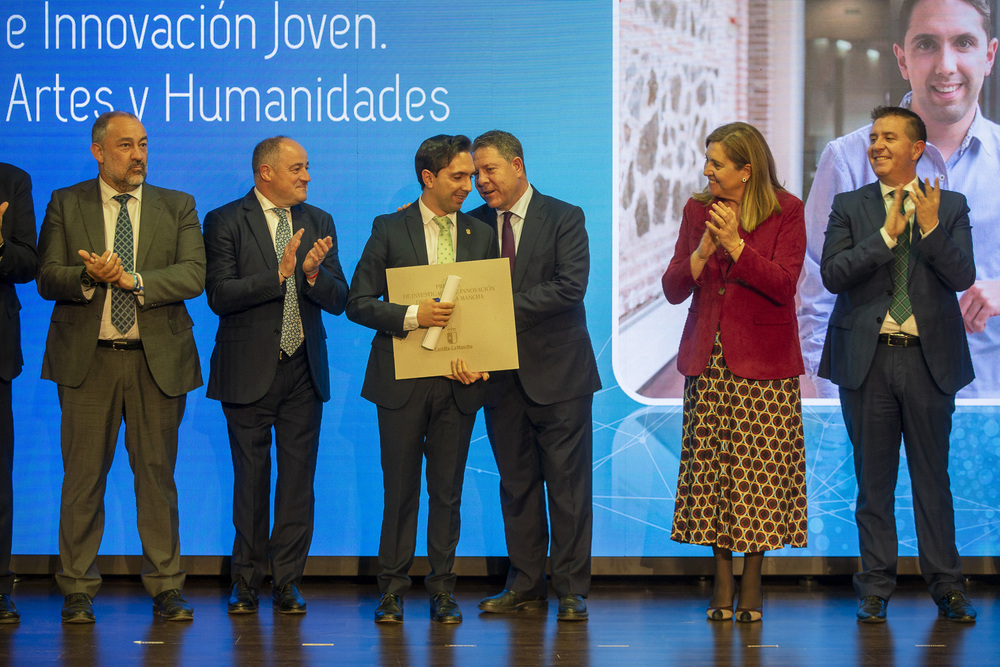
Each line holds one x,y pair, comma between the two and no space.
872,609
956,607
171,606
509,602
8,612
572,608
389,609
78,608
444,608
286,599
243,599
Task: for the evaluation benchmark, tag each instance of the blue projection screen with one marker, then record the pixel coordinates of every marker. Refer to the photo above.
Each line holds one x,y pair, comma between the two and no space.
360,85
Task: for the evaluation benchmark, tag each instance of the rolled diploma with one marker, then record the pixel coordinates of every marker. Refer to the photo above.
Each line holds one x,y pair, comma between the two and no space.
447,296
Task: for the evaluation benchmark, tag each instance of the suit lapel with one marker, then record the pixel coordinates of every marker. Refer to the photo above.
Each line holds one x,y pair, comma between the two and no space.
463,225
874,206
92,214
299,220
149,218
415,229
531,227
259,230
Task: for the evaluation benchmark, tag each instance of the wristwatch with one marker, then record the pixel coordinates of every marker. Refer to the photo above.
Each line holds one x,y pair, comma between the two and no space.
86,280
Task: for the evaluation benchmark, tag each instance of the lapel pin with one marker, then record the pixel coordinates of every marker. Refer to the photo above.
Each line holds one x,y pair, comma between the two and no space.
467,231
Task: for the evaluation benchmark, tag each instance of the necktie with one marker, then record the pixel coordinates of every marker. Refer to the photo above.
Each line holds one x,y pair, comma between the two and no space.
507,240
899,307
291,320
122,302
446,251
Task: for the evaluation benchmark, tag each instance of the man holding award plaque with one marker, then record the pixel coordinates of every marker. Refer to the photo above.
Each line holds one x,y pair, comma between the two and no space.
428,417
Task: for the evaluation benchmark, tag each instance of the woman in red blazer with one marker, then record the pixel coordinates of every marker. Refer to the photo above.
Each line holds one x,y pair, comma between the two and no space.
741,485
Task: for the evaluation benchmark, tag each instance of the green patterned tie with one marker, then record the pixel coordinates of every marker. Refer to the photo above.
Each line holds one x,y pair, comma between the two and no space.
291,320
446,251
899,307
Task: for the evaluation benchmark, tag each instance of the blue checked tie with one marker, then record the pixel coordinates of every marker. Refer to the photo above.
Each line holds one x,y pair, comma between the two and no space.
291,320
122,302
899,307
446,251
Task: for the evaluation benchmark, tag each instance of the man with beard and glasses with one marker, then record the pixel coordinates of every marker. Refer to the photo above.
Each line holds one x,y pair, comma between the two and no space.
119,257
421,418
945,49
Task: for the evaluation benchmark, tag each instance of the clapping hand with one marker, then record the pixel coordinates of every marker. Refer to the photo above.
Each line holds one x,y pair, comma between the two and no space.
895,223
106,268
724,225
927,203
286,267
709,244
316,254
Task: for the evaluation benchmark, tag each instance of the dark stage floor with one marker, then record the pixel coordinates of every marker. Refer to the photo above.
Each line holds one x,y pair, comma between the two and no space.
632,622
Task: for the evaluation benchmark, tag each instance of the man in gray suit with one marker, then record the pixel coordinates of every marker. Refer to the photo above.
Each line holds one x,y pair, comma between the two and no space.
119,257
425,417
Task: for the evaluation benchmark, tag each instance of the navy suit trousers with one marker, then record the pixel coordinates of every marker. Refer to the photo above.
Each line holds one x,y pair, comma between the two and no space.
899,398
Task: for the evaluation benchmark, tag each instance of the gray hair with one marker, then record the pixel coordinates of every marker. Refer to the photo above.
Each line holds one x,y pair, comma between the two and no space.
266,152
505,143
99,132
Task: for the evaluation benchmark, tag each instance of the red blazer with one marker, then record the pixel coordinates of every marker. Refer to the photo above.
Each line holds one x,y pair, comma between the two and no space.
750,302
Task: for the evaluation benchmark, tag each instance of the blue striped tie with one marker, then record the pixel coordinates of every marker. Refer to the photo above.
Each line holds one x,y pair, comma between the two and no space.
122,302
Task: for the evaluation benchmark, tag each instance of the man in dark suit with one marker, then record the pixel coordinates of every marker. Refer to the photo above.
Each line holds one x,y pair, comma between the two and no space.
18,264
425,417
538,417
270,367
119,257
896,252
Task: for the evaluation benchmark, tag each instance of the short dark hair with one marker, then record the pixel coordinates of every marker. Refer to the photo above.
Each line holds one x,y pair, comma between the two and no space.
99,131
915,128
266,152
906,12
505,143
437,153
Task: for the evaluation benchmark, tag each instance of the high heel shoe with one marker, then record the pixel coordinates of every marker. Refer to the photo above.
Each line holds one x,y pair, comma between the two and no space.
722,613
750,615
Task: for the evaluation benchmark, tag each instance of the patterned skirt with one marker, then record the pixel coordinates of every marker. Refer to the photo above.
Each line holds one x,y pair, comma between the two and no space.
742,480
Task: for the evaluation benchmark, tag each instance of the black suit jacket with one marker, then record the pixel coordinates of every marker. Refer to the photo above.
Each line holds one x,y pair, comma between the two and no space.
551,271
18,263
857,267
245,292
170,256
398,240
